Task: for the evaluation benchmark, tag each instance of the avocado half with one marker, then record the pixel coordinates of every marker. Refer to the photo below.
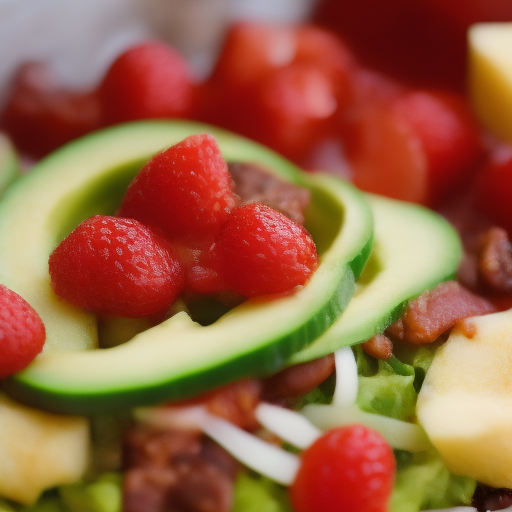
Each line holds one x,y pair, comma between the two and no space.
178,358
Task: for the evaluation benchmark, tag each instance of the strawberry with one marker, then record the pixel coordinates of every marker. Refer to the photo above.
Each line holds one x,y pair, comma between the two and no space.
116,266
185,191
262,251
349,468
22,332
149,80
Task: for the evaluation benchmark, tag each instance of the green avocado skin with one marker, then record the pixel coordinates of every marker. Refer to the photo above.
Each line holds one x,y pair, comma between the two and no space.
414,250
178,358
9,164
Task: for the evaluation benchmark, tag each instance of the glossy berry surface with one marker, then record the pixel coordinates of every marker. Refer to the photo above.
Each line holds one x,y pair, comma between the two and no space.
22,332
185,191
262,251
116,266
349,468
150,80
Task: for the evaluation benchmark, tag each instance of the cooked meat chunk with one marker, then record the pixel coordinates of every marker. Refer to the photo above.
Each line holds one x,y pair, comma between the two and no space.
254,184
435,312
236,402
176,471
487,498
298,380
495,261
380,346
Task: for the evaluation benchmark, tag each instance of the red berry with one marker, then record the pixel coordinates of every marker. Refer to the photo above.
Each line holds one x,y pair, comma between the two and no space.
22,332
263,251
116,266
493,187
347,469
294,110
40,115
151,80
186,191
448,134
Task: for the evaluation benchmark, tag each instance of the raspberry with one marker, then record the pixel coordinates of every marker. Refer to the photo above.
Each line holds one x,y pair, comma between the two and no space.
22,332
151,80
349,468
116,266
185,191
262,251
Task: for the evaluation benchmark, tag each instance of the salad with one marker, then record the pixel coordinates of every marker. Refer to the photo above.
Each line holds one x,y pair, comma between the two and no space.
284,286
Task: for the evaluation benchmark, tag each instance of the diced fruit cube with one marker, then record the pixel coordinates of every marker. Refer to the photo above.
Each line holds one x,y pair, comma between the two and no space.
490,76
39,450
116,266
262,251
464,403
151,80
22,332
348,468
185,191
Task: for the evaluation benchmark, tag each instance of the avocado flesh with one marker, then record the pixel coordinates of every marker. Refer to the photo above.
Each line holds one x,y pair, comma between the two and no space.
9,165
414,249
178,358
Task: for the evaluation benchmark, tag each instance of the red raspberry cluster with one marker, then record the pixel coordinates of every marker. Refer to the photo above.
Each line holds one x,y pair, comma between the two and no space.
179,228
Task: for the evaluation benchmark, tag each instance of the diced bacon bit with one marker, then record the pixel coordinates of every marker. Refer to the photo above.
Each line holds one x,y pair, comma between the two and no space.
236,402
298,380
435,312
468,328
495,261
254,184
380,347
176,470
487,498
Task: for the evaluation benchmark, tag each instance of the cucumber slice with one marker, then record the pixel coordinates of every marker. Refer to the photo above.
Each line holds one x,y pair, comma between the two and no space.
178,358
9,165
414,249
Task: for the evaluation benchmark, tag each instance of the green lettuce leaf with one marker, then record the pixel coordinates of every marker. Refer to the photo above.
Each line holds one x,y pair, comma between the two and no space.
255,494
424,482
386,387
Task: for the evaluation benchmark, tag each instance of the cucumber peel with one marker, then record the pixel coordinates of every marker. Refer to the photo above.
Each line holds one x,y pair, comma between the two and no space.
178,358
414,250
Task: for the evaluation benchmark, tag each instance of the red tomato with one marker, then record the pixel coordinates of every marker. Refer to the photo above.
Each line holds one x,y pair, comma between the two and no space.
493,189
151,80
40,116
349,468
385,155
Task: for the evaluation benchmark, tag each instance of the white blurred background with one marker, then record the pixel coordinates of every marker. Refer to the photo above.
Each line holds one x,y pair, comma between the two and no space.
81,37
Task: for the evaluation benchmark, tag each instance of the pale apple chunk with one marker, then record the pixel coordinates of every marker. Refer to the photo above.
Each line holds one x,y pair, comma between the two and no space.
490,76
39,450
465,404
